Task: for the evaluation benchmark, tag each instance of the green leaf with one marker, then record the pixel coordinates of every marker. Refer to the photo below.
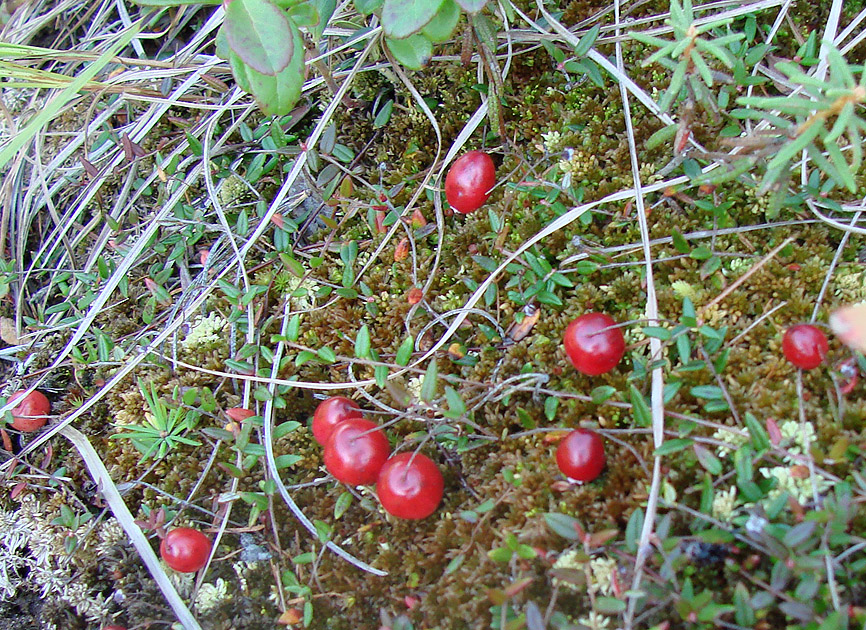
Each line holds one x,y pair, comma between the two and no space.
500,554
454,564
276,95
342,504
174,3
562,524
428,385
640,408
402,18
673,446
327,355
587,41
709,461
366,7
439,29
709,392
760,439
362,343
304,558
551,404
304,14
256,32
602,393
413,52
404,352
472,6
456,406
609,605
284,461
384,114
658,332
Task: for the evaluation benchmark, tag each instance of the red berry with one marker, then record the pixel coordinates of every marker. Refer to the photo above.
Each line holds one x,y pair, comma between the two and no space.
185,549
590,351
356,451
805,346
330,413
469,181
410,486
580,456
114,628
31,413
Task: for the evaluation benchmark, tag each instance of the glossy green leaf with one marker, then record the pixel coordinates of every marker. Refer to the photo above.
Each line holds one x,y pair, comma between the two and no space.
256,32
472,6
413,52
428,385
404,352
362,343
276,95
562,524
342,504
402,18
439,29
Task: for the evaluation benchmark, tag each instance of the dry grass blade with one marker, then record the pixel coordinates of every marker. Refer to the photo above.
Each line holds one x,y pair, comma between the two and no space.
109,491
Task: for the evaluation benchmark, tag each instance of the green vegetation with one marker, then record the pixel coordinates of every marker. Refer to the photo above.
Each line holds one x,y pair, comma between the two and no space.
175,249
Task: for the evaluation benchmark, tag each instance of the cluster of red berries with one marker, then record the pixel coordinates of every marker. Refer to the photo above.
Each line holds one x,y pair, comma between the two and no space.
409,485
595,345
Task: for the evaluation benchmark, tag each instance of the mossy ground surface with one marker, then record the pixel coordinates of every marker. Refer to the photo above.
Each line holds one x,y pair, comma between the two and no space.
498,459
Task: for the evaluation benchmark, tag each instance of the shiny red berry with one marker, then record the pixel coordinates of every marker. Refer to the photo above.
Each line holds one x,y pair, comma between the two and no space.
330,413
805,346
31,412
469,181
410,486
580,456
185,549
356,451
590,351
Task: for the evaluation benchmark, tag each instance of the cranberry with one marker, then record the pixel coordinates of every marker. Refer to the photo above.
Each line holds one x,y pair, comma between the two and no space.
580,456
590,351
330,413
114,628
469,181
805,346
356,451
31,413
410,486
185,549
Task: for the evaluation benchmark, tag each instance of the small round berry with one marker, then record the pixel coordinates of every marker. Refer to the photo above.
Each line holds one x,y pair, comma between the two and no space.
469,181
330,413
805,346
31,412
356,451
580,456
590,351
185,549
410,486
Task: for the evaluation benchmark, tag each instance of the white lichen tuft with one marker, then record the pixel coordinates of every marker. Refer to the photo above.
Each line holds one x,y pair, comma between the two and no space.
594,621
552,141
206,333
724,504
601,571
796,438
796,482
732,441
30,546
211,595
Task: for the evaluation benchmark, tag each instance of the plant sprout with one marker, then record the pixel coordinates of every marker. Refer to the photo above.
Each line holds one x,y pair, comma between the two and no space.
164,427
684,54
825,121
